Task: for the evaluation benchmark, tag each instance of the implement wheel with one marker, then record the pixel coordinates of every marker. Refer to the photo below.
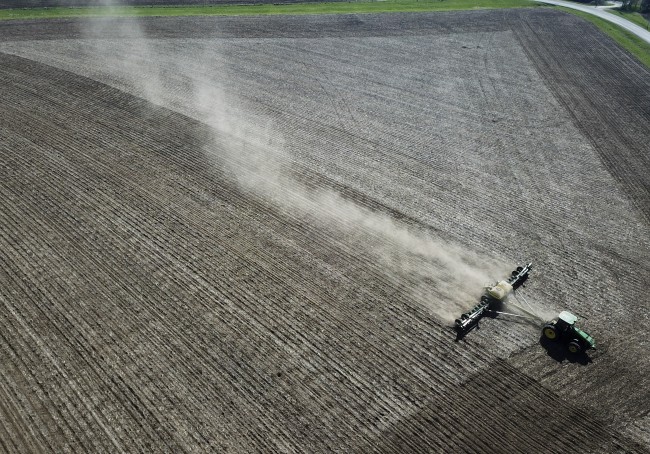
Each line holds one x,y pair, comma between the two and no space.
550,332
574,347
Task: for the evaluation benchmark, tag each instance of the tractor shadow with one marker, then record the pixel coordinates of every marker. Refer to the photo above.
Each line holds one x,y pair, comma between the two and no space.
559,352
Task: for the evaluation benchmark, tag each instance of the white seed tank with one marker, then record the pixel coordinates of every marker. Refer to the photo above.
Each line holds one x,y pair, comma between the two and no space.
500,291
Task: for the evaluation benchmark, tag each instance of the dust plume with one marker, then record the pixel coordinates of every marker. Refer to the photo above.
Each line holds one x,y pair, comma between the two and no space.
123,42
443,276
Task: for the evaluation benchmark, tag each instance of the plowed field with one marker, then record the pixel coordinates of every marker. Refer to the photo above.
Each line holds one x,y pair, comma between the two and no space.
83,3
250,234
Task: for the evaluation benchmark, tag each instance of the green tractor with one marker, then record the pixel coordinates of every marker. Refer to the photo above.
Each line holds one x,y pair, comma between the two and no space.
563,329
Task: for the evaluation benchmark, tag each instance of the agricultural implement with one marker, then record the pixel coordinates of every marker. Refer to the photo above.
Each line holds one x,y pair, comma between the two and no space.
493,301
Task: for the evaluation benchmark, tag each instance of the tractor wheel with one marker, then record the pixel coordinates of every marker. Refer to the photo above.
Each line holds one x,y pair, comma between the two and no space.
574,347
550,332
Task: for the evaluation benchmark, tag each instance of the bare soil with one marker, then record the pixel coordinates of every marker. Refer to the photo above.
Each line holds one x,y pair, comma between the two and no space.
152,301
4,4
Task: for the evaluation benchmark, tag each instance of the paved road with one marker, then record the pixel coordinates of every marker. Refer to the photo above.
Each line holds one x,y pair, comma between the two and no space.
626,24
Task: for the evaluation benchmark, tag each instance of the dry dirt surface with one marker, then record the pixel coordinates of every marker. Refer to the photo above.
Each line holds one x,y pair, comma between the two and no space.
251,234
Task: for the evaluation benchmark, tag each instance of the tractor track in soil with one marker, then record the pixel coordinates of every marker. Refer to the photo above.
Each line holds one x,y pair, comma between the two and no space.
150,303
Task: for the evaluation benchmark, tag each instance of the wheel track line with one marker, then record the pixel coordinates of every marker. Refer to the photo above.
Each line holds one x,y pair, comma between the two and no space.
65,405
592,428
42,429
16,419
48,297
512,384
124,353
541,59
80,348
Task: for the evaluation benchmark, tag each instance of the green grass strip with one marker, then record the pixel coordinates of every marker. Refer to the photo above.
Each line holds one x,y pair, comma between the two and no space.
380,6
629,41
637,18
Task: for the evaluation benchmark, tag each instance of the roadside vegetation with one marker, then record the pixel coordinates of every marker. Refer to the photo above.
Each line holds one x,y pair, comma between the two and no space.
633,44
241,10
632,16
642,6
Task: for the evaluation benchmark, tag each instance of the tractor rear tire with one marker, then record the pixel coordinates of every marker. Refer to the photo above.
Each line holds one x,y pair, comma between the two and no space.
550,332
574,347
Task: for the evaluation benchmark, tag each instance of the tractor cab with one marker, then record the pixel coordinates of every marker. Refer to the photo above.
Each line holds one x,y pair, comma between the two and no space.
566,320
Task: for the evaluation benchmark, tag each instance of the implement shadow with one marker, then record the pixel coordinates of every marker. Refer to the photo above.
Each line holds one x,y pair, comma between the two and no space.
490,411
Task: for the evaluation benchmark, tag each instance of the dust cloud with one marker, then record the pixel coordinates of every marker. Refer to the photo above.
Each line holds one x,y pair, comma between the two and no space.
127,45
443,276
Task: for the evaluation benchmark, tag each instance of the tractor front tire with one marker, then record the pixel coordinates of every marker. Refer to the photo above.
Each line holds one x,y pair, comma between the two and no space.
575,347
550,332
